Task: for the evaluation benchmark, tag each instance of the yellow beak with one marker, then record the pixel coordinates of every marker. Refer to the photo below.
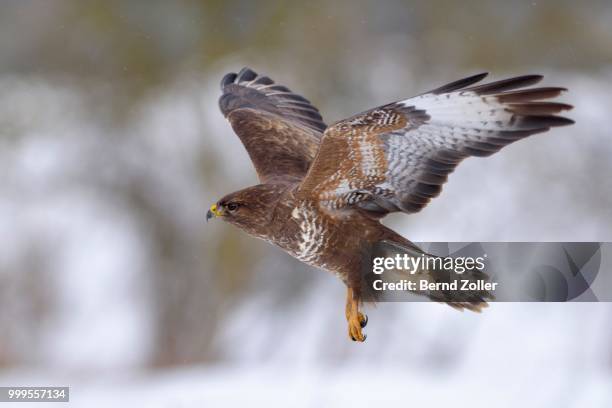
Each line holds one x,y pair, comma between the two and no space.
214,211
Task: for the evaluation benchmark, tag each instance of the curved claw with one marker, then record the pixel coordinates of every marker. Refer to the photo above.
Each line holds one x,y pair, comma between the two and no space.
364,321
355,332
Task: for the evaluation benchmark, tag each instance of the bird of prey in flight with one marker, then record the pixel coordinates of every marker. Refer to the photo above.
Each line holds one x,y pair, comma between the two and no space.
323,189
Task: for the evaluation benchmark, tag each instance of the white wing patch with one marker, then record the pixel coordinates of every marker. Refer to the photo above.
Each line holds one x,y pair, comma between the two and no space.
462,109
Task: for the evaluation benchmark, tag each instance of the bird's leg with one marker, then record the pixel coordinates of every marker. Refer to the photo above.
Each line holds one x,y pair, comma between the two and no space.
356,320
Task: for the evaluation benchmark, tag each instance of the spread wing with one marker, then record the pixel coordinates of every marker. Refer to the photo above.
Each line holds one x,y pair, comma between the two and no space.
280,130
397,157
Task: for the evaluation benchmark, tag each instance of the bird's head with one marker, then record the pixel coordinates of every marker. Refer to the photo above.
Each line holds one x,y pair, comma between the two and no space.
250,209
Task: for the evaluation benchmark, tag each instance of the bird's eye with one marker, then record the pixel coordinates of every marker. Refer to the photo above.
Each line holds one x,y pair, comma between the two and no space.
232,207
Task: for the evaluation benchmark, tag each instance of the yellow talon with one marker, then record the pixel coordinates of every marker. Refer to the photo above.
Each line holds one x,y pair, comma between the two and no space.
356,320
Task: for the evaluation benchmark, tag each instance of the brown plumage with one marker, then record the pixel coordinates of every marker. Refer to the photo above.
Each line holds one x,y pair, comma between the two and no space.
324,189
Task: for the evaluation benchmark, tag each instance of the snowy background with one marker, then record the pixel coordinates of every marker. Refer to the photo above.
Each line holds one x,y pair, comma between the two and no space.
112,149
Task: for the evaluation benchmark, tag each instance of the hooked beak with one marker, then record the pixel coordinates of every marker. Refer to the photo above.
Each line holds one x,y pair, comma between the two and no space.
213,212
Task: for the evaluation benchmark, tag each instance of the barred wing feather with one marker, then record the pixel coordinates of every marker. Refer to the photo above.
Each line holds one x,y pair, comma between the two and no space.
397,157
280,130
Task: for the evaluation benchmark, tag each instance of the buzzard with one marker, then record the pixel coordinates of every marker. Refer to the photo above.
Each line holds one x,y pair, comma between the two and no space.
325,188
